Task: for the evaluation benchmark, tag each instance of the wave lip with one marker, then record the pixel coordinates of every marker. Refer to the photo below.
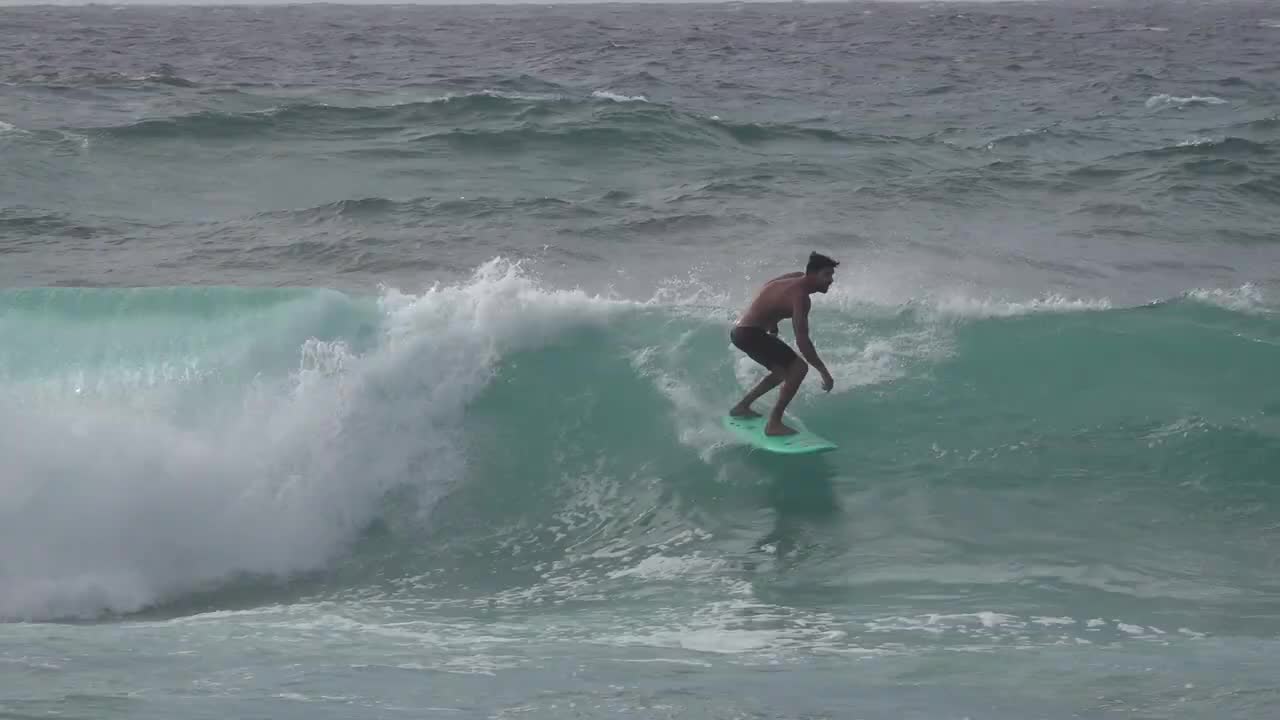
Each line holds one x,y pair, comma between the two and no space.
1247,298
977,308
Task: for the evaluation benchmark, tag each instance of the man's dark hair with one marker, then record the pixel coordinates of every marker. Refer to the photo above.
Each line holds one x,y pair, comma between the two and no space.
817,262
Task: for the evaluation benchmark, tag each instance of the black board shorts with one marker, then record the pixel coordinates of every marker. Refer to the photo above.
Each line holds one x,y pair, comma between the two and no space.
763,347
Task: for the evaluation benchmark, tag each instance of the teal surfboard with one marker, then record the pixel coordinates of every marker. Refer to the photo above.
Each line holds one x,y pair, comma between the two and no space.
751,431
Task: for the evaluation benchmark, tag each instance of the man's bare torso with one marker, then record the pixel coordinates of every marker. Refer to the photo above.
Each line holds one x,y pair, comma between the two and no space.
775,302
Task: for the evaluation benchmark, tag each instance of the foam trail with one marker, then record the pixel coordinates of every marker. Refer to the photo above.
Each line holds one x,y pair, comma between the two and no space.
616,97
1164,100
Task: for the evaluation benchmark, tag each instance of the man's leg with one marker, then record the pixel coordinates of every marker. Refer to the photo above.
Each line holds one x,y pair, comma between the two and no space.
743,408
791,383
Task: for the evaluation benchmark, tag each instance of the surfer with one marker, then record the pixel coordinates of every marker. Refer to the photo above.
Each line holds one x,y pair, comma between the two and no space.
756,334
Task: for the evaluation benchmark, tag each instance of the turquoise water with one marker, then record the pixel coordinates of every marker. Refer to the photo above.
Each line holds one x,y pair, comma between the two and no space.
370,362
366,503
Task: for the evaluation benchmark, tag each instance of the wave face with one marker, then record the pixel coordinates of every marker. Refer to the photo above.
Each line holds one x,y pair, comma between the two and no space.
164,443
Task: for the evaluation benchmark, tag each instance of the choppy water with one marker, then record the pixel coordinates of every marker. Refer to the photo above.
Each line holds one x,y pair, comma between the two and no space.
367,362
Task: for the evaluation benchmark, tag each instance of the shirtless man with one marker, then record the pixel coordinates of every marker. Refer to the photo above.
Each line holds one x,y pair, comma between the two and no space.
756,334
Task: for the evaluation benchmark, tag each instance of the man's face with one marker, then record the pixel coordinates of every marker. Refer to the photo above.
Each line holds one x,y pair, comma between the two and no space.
826,276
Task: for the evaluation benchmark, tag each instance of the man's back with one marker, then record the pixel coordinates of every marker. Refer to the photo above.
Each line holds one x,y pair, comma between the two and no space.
775,301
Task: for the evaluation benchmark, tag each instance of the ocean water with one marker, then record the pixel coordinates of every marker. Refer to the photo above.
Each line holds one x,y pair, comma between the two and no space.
367,362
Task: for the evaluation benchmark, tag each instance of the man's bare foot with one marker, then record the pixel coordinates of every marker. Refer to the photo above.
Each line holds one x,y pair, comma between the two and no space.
777,428
743,412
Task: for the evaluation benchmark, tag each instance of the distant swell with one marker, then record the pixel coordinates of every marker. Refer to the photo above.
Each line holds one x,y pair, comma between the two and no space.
306,118
1226,147
495,121
458,207
1034,137
64,80
1245,161
34,224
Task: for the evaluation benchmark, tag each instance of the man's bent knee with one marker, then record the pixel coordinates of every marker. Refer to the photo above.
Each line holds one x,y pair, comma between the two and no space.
799,368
